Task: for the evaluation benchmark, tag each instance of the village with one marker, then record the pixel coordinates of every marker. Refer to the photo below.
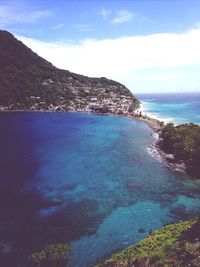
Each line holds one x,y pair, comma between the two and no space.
100,100
97,100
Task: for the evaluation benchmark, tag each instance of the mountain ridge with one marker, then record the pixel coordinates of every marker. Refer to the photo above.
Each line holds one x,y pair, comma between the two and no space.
29,82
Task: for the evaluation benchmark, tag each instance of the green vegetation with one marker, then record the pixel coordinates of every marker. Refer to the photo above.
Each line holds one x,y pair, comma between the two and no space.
174,245
183,141
29,82
55,255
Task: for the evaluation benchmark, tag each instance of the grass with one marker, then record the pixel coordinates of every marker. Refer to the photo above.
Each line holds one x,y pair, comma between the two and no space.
161,248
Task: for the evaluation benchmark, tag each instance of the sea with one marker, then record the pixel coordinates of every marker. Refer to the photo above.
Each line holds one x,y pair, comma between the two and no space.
176,108
88,181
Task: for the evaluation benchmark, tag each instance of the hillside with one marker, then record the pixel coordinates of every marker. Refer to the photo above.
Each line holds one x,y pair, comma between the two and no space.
173,245
182,142
29,82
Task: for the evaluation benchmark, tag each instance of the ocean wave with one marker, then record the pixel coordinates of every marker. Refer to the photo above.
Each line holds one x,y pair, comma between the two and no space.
152,151
160,118
145,108
172,108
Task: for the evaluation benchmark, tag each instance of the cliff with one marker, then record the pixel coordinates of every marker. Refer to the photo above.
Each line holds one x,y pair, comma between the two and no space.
29,82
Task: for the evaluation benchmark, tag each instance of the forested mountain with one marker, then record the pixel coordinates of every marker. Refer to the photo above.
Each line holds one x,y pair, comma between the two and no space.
29,82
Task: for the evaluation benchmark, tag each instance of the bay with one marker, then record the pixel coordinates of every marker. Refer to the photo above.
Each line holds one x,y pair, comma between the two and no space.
83,179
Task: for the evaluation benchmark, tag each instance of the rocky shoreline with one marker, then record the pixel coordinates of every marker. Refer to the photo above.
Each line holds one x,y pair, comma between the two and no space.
170,160
155,149
157,152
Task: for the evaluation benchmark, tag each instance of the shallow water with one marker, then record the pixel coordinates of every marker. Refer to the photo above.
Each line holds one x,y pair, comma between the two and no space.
83,179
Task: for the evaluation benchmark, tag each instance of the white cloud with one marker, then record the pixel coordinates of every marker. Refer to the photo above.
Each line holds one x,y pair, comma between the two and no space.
35,15
122,58
83,27
162,77
10,15
197,25
58,26
123,16
104,13
120,16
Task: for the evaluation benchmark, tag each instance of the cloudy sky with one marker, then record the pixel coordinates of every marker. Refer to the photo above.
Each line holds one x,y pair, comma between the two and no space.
149,46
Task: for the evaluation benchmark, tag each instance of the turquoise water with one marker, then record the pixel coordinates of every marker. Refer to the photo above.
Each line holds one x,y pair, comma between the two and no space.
87,180
176,108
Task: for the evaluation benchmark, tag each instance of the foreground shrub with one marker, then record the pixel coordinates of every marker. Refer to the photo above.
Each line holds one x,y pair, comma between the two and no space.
54,255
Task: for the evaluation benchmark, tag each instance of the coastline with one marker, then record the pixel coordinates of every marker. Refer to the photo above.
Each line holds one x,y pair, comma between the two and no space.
156,150
153,123
160,155
156,116
169,160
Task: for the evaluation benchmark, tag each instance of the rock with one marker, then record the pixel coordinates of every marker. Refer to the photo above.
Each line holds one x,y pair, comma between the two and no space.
141,230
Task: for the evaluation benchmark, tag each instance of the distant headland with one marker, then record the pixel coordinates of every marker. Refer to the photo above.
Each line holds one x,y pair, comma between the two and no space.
30,83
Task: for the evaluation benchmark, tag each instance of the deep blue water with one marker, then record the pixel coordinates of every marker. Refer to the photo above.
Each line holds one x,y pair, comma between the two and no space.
87,180
177,108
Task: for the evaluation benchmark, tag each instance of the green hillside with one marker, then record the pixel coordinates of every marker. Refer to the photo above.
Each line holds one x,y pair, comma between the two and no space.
29,82
183,141
175,245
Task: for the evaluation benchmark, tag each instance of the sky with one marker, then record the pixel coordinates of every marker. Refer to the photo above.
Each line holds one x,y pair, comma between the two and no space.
149,46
